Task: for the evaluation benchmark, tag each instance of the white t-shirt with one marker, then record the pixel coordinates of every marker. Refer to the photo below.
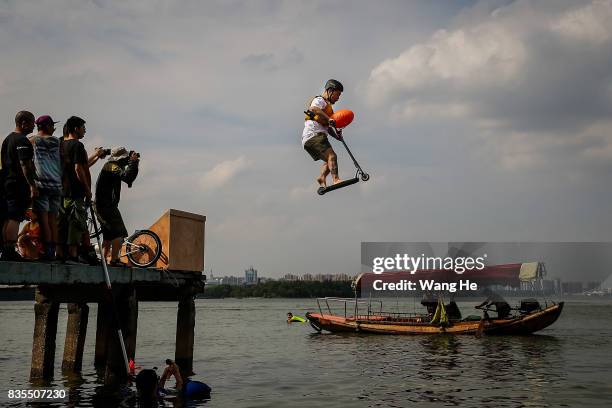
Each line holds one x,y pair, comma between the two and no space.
312,127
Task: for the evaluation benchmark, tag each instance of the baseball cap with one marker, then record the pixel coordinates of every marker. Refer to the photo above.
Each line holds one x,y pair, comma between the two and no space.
45,120
118,153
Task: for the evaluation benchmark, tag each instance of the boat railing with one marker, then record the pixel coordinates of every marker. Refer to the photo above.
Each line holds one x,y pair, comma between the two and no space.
397,315
353,303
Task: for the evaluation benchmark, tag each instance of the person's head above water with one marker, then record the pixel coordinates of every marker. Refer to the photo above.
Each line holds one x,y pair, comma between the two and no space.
289,314
146,385
333,89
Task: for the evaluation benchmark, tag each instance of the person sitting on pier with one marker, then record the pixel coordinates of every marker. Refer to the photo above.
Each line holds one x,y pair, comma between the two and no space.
120,167
172,369
29,242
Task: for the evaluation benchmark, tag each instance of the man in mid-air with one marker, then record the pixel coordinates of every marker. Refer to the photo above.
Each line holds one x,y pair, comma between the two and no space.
316,123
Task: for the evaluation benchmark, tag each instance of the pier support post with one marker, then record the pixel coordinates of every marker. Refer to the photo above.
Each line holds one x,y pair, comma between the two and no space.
185,325
130,326
127,307
45,330
104,331
76,330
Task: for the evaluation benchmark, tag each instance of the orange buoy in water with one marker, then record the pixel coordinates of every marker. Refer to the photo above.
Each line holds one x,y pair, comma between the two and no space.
343,117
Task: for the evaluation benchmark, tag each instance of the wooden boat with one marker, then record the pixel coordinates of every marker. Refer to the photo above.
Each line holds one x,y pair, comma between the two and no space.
529,317
396,323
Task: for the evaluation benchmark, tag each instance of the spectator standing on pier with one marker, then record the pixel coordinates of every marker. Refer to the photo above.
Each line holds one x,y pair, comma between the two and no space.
86,251
76,189
2,209
19,186
122,166
48,167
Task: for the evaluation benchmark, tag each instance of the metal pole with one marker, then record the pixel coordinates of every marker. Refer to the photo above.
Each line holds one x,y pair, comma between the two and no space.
334,133
110,292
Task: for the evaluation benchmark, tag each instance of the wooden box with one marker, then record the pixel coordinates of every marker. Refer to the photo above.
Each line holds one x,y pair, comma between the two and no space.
182,237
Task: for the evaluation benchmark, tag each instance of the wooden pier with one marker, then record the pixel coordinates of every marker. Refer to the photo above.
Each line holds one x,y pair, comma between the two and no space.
79,285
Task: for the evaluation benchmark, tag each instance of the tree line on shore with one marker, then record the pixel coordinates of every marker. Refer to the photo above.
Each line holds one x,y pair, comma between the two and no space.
281,289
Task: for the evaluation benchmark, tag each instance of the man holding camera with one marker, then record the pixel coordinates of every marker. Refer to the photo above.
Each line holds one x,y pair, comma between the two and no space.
72,221
122,166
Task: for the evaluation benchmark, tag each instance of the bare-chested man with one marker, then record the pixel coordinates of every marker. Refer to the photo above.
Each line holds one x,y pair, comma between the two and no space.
172,369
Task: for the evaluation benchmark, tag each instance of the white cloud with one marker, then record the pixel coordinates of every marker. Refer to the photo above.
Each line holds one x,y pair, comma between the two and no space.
302,192
492,67
472,56
224,172
531,79
591,23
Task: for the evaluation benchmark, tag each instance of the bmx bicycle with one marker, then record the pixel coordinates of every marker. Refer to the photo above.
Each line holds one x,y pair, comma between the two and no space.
143,248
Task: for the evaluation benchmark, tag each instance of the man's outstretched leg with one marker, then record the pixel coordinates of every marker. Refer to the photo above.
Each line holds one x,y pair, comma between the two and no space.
332,164
323,176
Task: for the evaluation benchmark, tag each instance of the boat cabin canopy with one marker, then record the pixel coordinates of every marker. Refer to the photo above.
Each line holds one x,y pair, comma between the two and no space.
509,274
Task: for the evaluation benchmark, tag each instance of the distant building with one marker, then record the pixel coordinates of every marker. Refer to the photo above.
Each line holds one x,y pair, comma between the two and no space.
213,281
232,280
572,287
250,276
549,286
290,277
592,285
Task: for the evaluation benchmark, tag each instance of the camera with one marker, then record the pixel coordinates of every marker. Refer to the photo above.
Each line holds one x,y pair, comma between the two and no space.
106,152
133,152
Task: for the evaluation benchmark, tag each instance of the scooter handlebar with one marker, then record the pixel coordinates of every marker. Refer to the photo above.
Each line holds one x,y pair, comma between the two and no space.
335,133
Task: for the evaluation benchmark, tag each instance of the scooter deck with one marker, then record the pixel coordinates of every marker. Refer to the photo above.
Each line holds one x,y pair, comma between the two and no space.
323,190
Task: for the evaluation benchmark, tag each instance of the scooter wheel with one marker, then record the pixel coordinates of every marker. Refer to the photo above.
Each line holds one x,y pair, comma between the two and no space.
365,176
321,190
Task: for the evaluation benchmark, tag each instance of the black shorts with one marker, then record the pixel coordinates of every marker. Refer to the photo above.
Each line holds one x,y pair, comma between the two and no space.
17,201
317,145
111,223
2,211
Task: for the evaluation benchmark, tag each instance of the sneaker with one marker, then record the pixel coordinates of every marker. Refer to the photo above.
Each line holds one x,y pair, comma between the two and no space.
117,263
12,256
74,261
91,259
47,258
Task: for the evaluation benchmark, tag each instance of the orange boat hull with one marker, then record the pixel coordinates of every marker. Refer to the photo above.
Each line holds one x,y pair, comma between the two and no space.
525,324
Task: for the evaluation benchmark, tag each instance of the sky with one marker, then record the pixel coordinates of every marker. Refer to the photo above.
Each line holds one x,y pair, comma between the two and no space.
477,121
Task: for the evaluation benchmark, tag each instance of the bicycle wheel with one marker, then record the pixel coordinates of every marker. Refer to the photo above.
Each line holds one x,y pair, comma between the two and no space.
91,227
143,248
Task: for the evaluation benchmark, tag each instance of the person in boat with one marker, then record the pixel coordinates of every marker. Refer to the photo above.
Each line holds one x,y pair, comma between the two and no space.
430,301
172,369
291,318
502,308
314,136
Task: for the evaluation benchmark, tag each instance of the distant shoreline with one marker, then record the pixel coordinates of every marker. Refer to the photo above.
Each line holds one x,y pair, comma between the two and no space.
279,289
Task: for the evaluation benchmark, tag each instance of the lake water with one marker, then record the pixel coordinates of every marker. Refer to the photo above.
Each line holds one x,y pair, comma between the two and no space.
251,357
